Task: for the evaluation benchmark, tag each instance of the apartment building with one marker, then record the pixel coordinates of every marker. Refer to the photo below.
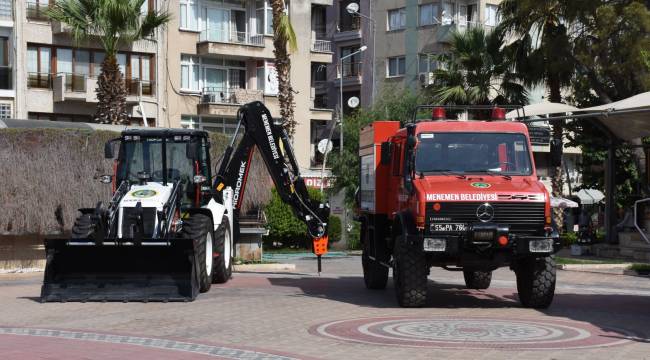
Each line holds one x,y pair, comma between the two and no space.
7,81
219,55
56,77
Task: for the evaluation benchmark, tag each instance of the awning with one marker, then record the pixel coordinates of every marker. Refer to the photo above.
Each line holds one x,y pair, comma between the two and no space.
625,118
562,203
544,108
590,196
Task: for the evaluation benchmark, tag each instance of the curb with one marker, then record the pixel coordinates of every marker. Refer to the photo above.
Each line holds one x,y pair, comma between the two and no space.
579,267
264,267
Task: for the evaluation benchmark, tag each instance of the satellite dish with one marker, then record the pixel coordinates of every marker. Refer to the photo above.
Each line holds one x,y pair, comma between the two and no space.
324,146
353,102
352,8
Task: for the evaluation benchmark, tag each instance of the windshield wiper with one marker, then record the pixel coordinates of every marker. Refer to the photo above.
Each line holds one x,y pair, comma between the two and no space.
491,172
446,172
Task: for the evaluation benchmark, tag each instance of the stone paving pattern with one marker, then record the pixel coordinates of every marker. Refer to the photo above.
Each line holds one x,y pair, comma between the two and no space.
273,314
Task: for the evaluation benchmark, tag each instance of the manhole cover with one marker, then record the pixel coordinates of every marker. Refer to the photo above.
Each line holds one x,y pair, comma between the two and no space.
477,333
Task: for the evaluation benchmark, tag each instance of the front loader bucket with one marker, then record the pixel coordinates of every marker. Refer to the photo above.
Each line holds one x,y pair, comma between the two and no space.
127,272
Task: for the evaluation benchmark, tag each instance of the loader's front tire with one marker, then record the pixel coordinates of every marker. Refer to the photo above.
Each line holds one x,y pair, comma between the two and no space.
83,227
222,267
199,228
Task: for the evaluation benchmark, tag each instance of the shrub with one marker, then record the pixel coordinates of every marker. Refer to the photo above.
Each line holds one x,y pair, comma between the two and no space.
47,174
284,228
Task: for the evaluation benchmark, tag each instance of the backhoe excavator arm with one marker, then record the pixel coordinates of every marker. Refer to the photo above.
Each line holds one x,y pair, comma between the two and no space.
273,143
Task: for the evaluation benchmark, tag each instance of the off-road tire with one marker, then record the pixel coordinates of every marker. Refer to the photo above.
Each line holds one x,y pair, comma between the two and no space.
478,280
375,275
536,281
409,275
222,267
83,227
197,228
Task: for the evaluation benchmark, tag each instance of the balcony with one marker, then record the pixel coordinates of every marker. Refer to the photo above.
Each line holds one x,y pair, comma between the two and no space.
447,29
76,87
6,82
348,30
352,73
36,11
37,80
323,46
237,43
138,87
224,101
6,10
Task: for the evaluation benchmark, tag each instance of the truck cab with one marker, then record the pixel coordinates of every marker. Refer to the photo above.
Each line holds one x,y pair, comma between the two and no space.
462,195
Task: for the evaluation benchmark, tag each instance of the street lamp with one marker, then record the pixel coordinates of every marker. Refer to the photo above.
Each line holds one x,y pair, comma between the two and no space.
353,9
361,49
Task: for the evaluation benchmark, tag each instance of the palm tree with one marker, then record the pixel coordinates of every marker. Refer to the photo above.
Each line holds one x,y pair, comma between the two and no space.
543,54
114,23
284,42
476,71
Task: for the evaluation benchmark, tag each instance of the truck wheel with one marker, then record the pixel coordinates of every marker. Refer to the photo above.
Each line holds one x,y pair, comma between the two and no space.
83,227
409,275
479,280
536,281
222,270
199,228
375,275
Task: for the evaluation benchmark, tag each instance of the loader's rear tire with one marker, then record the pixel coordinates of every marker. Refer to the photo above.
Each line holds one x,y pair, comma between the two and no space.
199,228
409,274
479,280
83,227
536,281
222,267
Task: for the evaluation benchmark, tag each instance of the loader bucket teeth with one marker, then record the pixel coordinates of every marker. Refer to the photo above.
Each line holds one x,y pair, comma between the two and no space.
120,273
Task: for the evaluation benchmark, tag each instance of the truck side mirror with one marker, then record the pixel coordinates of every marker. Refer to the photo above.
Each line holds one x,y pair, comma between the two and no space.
386,152
108,150
191,150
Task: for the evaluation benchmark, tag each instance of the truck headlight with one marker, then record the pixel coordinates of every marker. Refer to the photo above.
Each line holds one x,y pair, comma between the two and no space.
437,245
541,246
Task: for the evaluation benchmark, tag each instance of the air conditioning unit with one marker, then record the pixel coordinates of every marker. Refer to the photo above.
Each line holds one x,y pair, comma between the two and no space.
426,79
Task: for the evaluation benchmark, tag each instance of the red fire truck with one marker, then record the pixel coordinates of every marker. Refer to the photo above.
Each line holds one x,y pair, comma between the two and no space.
461,195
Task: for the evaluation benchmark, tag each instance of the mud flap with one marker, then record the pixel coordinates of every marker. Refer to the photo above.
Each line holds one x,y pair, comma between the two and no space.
152,271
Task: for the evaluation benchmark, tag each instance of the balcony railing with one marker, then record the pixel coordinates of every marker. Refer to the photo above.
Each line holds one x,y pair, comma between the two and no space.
6,10
235,96
74,82
231,37
351,69
353,25
6,82
36,11
138,87
324,46
39,80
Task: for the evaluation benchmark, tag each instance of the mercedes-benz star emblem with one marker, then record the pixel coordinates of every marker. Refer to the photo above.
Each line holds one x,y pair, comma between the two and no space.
485,212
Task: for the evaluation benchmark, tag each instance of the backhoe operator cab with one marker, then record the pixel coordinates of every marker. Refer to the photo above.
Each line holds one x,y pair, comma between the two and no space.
462,195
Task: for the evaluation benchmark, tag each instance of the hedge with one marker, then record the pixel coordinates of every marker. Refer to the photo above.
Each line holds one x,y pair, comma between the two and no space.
47,174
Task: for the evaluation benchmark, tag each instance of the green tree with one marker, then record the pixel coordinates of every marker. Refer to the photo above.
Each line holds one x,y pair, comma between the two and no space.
284,42
477,71
114,24
542,53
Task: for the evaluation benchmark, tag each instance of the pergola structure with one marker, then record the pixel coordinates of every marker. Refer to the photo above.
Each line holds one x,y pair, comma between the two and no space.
626,120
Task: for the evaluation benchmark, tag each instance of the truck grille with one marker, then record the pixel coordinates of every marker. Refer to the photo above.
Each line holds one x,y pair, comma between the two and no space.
129,220
522,217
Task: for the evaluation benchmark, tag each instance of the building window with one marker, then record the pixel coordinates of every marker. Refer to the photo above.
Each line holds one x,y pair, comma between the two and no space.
491,15
264,17
396,66
428,14
38,67
189,122
5,111
6,10
267,77
189,15
216,124
190,73
396,19
6,82
36,9
428,63
448,13
348,22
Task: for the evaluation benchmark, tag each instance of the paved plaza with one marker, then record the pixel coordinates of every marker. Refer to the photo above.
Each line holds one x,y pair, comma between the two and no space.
300,315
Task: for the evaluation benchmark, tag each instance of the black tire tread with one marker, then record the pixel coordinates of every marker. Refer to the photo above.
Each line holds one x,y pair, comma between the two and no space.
196,228
536,282
221,274
478,280
410,275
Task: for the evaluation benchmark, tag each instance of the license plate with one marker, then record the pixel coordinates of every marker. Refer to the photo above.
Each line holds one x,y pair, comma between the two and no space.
448,227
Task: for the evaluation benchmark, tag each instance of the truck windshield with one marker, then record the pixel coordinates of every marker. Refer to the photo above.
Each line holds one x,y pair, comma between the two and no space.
145,155
466,153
